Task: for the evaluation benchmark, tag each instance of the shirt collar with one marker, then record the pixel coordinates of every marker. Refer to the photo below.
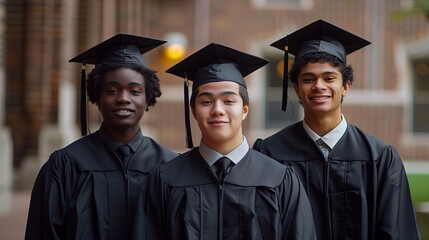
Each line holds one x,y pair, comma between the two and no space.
211,156
134,143
332,137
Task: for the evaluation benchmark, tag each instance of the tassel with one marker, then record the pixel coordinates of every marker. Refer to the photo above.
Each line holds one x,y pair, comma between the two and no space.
189,143
83,124
285,79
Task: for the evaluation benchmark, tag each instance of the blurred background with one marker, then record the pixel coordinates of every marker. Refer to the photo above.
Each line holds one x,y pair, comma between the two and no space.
39,89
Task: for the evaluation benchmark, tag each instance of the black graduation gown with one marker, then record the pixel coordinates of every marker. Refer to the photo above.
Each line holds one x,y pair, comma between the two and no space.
83,192
259,199
361,192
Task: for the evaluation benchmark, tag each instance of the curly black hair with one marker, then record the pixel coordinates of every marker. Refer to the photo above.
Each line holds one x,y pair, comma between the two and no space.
95,80
321,57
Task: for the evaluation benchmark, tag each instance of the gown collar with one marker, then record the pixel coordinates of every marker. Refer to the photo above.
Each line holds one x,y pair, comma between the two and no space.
332,137
134,143
211,156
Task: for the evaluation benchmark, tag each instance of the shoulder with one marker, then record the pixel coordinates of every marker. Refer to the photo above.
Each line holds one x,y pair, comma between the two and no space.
263,161
182,159
288,143
358,139
360,135
187,169
86,144
150,145
183,164
265,164
287,136
83,144
91,153
358,145
284,133
257,169
151,142
66,159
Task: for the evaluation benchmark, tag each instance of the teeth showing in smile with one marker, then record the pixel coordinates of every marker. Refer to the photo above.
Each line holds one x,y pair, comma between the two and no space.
320,98
123,111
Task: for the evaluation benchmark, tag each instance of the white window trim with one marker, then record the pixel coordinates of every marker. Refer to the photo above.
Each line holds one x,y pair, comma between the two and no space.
301,5
405,54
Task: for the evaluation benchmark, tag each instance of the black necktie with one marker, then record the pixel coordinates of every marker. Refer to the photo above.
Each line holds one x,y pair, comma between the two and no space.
221,167
125,153
324,148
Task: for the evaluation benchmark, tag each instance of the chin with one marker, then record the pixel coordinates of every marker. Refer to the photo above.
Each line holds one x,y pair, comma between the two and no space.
218,139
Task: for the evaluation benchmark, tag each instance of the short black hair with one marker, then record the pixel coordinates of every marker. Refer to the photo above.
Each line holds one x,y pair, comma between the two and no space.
242,90
96,76
321,57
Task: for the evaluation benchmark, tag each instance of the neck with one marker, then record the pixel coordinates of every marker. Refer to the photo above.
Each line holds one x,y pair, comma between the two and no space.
122,135
322,124
224,147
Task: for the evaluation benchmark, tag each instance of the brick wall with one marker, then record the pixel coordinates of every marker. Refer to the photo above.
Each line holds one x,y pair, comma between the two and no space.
37,43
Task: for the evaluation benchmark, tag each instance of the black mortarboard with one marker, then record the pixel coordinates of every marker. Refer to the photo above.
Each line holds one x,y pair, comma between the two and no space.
122,49
214,63
319,36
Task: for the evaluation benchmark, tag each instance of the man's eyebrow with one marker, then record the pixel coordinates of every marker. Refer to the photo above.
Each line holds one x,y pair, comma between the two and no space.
135,84
130,83
222,93
323,73
306,74
330,72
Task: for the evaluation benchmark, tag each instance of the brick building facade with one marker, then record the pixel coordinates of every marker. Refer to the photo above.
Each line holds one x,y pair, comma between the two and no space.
41,91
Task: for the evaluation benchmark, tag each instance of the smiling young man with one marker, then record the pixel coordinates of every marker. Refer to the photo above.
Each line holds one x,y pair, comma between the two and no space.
90,188
223,189
219,115
320,89
356,184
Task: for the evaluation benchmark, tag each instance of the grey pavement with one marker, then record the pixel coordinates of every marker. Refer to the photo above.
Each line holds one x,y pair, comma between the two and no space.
12,222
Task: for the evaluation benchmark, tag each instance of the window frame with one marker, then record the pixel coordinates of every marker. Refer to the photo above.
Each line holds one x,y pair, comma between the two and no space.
420,97
283,4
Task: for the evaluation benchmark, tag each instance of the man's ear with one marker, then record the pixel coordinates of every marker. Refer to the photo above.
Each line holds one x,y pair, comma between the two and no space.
296,88
193,112
245,111
346,88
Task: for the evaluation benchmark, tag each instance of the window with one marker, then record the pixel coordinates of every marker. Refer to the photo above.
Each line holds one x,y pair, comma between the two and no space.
274,116
281,1
289,4
406,4
421,95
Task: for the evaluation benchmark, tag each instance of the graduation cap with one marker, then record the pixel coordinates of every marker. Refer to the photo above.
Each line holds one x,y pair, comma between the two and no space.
214,63
121,49
319,36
